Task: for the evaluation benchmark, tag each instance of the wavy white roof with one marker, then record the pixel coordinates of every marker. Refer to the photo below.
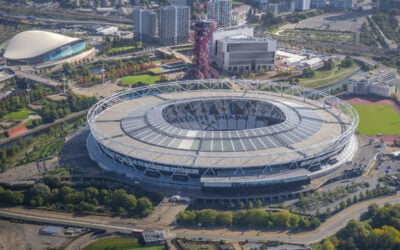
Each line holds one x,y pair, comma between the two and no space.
32,43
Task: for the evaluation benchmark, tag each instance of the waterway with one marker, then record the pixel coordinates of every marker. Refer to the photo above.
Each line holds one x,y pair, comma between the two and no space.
340,83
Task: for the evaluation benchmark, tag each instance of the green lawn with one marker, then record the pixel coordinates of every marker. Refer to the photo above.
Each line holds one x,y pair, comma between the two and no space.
145,79
122,49
21,114
326,77
120,243
155,70
377,119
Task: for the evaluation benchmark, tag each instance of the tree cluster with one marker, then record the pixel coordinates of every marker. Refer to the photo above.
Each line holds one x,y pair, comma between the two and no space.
55,195
253,218
20,99
366,36
112,70
329,65
379,231
347,62
56,110
116,42
308,72
8,196
388,24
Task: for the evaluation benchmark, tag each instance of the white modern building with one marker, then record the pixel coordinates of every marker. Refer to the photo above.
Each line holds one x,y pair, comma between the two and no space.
382,82
38,46
173,24
236,49
244,54
314,63
107,31
227,32
220,11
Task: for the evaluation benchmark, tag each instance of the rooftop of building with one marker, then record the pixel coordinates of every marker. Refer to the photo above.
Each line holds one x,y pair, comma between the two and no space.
34,43
245,38
375,73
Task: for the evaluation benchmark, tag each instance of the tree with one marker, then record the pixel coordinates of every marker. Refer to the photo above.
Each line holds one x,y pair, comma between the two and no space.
52,181
36,201
91,194
206,216
224,219
250,205
258,203
42,190
304,222
144,206
329,64
86,207
281,219
186,217
372,210
327,245
257,217
308,72
120,198
347,62
315,222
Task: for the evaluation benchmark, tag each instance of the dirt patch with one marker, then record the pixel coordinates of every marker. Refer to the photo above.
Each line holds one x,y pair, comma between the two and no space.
26,236
388,139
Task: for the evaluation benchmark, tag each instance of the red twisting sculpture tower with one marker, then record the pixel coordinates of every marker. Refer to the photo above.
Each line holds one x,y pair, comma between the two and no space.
201,68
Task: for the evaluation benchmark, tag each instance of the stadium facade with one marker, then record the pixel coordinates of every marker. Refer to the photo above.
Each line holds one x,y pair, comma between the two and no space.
223,138
36,46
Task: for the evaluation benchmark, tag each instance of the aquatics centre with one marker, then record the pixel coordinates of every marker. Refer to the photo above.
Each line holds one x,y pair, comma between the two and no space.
222,137
37,46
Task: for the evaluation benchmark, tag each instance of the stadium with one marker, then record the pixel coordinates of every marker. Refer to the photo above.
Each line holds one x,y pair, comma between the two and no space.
222,137
36,46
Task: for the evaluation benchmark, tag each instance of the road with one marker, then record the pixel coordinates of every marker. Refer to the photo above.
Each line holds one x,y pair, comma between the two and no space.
109,22
113,224
37,78
341,47
179,55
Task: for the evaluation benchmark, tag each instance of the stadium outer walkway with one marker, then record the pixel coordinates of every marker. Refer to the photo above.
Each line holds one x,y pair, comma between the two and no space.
114,224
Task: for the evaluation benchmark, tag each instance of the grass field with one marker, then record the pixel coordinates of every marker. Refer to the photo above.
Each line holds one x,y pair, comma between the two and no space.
322,78
377,119
21,114
122,49
120,243
133,80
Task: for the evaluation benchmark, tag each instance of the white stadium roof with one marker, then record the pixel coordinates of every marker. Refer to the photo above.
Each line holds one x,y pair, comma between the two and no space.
32,43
